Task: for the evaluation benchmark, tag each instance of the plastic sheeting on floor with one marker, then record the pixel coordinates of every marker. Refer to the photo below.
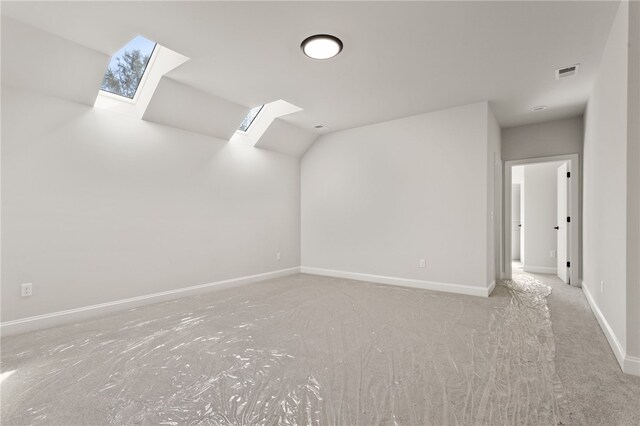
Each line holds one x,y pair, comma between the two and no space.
293,351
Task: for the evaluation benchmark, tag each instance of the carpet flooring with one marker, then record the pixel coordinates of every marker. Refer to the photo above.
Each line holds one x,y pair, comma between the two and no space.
597,391
306,349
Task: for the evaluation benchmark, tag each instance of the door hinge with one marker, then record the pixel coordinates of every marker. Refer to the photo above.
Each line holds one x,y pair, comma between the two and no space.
568,218
568,264
568,174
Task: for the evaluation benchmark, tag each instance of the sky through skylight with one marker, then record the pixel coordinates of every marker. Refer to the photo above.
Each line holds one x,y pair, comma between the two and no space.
127,67
246,123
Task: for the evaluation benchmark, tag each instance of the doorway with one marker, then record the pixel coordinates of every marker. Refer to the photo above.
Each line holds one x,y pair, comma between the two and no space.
517,240
541,217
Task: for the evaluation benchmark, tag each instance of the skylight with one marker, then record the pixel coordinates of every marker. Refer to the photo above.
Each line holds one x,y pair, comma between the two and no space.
127,67
259,119
246,123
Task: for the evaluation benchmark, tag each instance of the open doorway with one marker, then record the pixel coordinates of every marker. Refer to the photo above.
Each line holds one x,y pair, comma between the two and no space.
541,219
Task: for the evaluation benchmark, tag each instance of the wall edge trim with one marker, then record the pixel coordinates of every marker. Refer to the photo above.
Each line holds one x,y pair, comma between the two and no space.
540,269
401,282
491,287
628,364
67,316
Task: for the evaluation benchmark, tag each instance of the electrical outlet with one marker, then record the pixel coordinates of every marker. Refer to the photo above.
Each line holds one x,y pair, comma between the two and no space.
601,286
26,289
423,263
552,253
278,256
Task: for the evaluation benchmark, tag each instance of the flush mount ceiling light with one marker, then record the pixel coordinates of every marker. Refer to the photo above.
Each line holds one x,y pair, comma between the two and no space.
321,46
539,108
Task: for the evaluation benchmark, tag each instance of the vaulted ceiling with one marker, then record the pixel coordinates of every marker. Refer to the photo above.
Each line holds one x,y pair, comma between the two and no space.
399,58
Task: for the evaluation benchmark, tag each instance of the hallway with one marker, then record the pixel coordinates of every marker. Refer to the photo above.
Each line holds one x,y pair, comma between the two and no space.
597,391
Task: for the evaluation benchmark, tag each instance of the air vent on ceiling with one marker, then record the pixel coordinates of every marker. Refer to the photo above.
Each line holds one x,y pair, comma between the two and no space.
567,71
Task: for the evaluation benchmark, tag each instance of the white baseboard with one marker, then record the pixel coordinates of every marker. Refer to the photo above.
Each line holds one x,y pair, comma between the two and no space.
402,282
53,319
540,269
629,364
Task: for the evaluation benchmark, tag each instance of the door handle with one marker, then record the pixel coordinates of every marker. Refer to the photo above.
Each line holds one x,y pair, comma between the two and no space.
556,227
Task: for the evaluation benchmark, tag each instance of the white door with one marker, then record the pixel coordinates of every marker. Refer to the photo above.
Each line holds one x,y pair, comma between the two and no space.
562,223
515,222
522,224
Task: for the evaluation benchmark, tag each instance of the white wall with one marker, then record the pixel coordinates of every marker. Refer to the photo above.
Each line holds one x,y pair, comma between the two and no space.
540,216
97,206
608,201
494,198
378,198
557,137
633,183
604,221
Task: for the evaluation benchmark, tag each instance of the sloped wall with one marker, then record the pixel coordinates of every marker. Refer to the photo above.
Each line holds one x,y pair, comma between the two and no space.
98,207
35,60
178,105
286,138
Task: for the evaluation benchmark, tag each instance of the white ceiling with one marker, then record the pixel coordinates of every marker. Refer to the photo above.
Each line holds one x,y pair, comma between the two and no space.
399,59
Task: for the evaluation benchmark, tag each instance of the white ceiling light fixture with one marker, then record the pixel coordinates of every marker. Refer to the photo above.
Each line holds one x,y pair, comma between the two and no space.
321,46
539,108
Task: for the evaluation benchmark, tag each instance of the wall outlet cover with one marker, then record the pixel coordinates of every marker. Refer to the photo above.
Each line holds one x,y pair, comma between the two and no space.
26,289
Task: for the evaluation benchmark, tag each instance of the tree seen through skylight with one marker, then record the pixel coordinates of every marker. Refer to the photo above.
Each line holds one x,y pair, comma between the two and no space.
127,67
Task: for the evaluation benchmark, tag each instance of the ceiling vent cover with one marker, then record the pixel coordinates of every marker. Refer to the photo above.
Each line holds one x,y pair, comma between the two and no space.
567,71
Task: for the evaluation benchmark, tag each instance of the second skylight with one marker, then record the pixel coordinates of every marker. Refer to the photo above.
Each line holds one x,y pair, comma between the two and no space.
246,123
